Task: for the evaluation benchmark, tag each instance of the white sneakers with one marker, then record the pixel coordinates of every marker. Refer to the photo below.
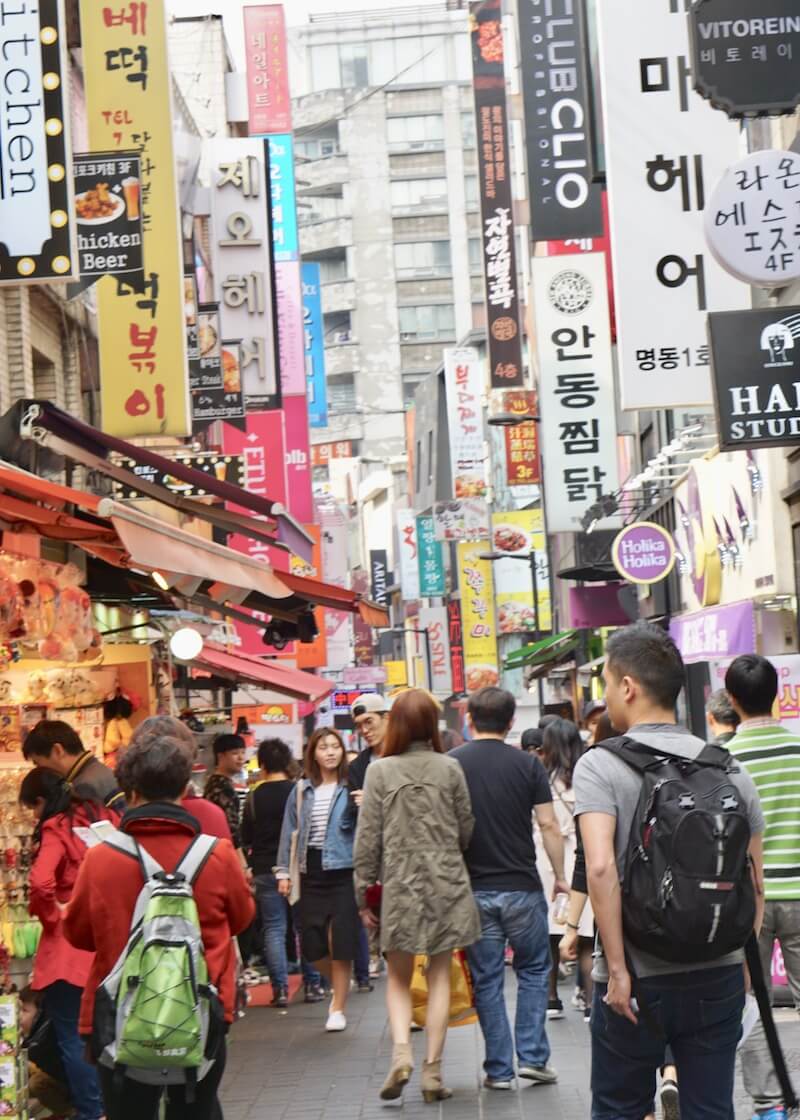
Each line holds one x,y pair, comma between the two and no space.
336,1021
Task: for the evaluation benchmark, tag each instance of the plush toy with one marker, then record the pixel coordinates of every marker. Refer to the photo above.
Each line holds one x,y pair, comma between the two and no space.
82,690
74,621
37,688
57,689
33,622
10,608
6,691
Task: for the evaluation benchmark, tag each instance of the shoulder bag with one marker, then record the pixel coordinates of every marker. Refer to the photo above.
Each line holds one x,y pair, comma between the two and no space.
294,853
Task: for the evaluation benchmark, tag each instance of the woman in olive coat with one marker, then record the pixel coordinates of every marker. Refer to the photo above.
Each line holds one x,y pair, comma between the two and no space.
414,824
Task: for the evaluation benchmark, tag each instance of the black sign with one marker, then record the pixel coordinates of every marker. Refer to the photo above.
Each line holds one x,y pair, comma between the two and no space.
205,349
497,207
746,55
755,363
226,402
108,213
224,468
565,203
378,563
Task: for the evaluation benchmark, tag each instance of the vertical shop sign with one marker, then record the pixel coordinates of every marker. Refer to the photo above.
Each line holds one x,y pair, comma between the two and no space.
434,620
431,560
286,253
576,386
379,578
223,401
408,554
464,388
316,385
338,624
519,533
521,440
363,641
144,383
269,104
478,615
283,198
108,214
242,262
658,180
455,635
564,201
37,222
206,371
497,206
298,459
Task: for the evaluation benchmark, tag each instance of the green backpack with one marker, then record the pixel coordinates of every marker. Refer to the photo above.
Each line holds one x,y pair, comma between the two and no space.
156,1014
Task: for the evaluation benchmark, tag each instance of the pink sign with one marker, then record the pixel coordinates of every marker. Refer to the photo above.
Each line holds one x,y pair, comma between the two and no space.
300,500
778,966
291,337
269,104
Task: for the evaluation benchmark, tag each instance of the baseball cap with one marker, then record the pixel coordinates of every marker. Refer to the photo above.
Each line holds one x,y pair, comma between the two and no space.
532,738
592,706
368,702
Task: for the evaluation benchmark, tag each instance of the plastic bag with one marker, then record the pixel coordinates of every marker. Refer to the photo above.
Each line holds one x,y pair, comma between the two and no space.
462,999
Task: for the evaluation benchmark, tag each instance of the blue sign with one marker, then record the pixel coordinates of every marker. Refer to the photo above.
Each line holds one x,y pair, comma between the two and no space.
285,242
431,560
316,385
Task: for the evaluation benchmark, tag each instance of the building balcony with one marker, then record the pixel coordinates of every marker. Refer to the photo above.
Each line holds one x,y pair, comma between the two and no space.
322,236
322,176
338,296
341,358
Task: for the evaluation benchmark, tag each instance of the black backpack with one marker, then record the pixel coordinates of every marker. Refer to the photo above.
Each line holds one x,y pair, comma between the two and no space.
687,892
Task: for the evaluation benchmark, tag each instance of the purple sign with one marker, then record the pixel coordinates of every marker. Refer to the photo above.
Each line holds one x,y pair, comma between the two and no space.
592,607
715,633
643,553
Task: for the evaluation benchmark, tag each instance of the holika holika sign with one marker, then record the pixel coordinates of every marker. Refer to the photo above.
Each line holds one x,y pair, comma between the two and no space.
755,359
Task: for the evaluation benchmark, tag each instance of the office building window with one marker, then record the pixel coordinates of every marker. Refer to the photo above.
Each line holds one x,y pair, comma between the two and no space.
341,394
468,136
418,324
425,131
471,189
354,65
416,258
332,269
419,192
475,257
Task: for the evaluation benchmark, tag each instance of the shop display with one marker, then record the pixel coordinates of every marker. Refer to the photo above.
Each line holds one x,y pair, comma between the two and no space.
19,933
44,611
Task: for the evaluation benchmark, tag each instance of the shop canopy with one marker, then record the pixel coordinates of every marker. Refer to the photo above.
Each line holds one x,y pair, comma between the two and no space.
243,669
545,653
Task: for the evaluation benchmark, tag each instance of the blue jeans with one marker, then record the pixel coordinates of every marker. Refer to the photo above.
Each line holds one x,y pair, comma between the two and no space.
361,963
521,918
274,920
700,1018
62,1004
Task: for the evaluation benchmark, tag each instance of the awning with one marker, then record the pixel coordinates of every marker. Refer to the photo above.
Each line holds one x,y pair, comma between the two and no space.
244,669
591,573
337,598
544,653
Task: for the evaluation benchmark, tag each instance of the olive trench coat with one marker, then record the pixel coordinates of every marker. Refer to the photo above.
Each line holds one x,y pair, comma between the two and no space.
413,826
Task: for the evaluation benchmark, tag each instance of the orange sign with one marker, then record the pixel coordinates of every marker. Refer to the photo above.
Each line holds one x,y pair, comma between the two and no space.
322,453
260,714
312,655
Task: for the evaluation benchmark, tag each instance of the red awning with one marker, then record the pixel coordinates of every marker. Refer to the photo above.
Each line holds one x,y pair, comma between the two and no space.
255,670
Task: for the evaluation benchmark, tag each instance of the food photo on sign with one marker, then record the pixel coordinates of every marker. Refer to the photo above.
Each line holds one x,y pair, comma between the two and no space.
108,214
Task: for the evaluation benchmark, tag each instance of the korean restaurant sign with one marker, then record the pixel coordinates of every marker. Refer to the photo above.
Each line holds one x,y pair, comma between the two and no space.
224,399
752,222
521,440
576,386
408,554
322,453
434,620
665,280
144,385
516,534
564,200
108,213
464,390
37,224
269,104
497,207
455,635
476,584
466,519
431,560
242,262
745,55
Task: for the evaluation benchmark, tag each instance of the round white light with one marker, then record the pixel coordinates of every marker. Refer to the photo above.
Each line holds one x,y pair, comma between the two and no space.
185,644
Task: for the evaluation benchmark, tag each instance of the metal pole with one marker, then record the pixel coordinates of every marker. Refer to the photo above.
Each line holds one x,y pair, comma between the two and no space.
428,659
536,632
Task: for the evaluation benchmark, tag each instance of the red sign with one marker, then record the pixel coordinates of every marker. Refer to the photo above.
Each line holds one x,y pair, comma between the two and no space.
522,441
456,646
269,104
592,245
322,453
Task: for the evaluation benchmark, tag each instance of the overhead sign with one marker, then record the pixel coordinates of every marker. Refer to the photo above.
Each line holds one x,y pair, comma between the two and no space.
497,205
455,635
467,520
515,535
745,55
434,621
521,440
665,279
37,223
715,632
756,371
269,103
576,386
431,560
223,468
643,553
283,197
108,214
408,554
464,388
364,675
322,453
225,401
314,346
476,584
752,222
564,201
379,576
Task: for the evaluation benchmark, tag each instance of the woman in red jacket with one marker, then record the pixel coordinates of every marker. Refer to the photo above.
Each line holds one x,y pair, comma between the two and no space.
60,971
154,773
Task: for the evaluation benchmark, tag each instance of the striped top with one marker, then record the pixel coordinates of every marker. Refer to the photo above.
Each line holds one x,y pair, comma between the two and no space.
321,810
771,754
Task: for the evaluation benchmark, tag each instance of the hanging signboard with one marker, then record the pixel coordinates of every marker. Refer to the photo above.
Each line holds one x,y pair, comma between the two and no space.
322,453
478,616
205,371
434,620
752,223
379,578
283,198
497,205
224,468
270,107
467,520
756,371
745,55
576,387
455,636
464,389
314,346
408,554
643,553
37,222
431,560
108,214
225,401
517,534
665,279
521,440
564,200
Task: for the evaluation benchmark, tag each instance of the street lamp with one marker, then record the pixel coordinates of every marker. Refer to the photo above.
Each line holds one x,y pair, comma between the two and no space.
411,630
512,419
529,558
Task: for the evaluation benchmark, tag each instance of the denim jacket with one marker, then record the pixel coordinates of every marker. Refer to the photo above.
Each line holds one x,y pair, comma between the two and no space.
337,853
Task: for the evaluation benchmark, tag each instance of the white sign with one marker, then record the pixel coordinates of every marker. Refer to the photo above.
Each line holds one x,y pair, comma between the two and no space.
664,146
240,251
753,219
434,620
408,553
464,384
576,387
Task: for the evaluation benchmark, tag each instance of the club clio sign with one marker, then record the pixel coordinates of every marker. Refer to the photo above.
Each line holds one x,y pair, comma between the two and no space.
643,553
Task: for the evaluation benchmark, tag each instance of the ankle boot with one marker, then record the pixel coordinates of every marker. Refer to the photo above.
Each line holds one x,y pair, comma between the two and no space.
432,1088
400,1073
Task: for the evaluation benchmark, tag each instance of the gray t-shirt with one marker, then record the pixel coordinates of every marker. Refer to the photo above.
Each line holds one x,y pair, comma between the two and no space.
604,783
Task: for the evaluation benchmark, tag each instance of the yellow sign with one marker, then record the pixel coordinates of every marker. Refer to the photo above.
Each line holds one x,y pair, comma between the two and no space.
478,615
396,673
516,535
144,384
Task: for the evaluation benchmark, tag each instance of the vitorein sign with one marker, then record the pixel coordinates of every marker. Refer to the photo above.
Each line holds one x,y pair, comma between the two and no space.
643,553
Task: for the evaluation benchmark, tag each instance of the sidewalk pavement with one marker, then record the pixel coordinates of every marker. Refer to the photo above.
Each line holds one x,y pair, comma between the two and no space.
283,1066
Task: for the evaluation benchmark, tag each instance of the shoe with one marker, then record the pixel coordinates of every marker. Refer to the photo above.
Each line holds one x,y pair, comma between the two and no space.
578,1000
314,994
280,998
670,1101
336,1021
587,1014
544,1075
364,987
555,1009
375,967
776,1113
500,1084
432,1088
400,1073
416,1028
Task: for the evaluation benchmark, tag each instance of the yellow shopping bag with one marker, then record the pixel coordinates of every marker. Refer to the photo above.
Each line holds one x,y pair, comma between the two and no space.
462,1000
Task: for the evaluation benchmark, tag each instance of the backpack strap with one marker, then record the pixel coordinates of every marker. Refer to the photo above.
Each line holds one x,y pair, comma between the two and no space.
638,756
195,857
122,842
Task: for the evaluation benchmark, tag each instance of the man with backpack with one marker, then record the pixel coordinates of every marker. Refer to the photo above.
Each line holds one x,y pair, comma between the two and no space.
672,833
159,905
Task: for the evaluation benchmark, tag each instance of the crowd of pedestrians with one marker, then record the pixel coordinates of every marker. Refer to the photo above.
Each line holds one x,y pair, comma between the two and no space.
631,847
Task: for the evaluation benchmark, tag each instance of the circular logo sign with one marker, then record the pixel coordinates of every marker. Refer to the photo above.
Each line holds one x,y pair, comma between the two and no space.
643,553
504,328
570,292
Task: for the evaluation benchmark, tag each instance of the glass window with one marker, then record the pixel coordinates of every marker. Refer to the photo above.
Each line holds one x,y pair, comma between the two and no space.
475,258
341,394
324,67
419,192
424,129
428,322
353,61
417,256
471,189
468,136
332,269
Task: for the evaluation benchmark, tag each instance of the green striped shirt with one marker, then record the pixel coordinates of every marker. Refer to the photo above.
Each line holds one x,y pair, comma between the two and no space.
771,754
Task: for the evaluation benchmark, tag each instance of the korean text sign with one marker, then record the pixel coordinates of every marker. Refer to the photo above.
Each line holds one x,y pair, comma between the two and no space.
478,615
269,104
316,385
434,620
408,554
576,386
659,178
517,533
144,384
431,559
521,440
464,387
109,214
283,197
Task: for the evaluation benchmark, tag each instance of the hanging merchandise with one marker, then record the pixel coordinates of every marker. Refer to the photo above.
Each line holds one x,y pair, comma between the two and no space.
43,608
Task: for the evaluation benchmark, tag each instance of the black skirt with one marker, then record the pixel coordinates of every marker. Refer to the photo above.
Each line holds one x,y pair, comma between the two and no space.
327,912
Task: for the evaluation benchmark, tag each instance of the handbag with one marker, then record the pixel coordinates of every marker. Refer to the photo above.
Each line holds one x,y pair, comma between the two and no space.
294,853
462,996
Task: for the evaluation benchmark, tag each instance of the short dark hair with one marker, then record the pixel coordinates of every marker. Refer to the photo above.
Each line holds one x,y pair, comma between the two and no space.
156,769
41,739
648,654
274,755
228,742
719,706
752,682
492,710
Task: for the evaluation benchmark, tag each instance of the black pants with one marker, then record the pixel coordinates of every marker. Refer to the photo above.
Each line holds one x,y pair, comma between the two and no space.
134,1101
